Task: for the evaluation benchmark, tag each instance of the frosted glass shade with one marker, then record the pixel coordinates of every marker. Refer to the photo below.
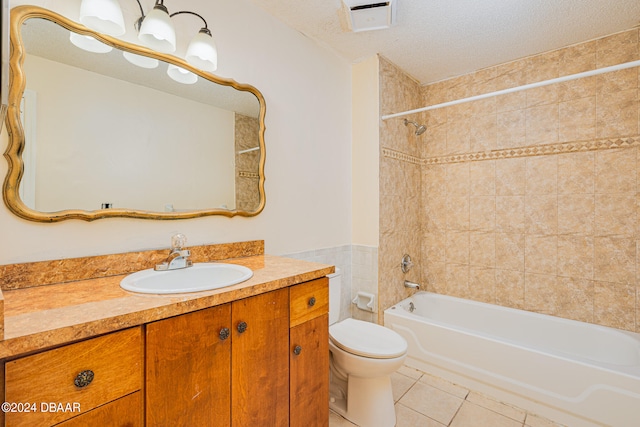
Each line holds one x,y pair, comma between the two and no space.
157,32
202,52
181,75
141,61
104,16
89,44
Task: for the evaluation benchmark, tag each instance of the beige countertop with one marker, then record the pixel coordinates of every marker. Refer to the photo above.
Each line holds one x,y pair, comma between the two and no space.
40,317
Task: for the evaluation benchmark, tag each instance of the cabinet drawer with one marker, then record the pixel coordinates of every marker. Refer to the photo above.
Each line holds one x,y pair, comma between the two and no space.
308,300
50,377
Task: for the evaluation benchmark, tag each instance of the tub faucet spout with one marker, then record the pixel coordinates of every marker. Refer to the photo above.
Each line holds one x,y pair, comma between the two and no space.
411,285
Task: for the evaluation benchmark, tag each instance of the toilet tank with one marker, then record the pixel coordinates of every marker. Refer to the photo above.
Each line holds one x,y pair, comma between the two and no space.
335,291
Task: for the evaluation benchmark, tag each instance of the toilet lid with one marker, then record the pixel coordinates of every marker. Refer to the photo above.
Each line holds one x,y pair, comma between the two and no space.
367,339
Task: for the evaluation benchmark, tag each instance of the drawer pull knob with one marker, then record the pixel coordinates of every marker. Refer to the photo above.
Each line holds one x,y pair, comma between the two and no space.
84,378
312,301
242,326
297,350
224,334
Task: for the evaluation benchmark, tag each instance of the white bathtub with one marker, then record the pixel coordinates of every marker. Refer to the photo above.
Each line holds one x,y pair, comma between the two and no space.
574,373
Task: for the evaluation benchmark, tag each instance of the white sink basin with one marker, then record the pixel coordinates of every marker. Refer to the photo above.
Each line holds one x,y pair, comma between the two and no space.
199,277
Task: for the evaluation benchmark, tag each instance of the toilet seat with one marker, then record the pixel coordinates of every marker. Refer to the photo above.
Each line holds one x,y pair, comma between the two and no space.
367,339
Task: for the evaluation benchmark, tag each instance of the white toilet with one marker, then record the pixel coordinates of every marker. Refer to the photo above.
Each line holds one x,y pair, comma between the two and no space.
363,356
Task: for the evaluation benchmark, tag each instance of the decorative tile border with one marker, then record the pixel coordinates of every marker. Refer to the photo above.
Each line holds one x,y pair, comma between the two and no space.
243,174
397,155
538,150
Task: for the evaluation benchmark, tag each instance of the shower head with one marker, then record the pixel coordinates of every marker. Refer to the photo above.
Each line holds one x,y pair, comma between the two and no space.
420,129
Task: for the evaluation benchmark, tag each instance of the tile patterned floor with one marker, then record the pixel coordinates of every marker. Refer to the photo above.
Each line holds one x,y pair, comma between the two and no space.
423,400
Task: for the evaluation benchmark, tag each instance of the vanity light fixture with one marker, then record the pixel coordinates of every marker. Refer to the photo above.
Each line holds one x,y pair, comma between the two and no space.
155,30
88,43
181,75
104,16
141,61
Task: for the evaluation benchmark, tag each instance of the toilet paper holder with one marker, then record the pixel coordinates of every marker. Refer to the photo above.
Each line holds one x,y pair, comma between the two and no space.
365,301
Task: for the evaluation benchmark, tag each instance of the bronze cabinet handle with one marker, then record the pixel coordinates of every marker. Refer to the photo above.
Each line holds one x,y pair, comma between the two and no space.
242,326
312,301
84,378
297,350
224,334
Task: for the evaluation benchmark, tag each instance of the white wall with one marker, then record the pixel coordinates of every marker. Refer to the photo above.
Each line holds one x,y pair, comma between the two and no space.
365,199
308,137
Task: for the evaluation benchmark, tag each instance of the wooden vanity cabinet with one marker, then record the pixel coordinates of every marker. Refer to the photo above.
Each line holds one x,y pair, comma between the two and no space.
239,364
84,383
309,355
223,366
187,369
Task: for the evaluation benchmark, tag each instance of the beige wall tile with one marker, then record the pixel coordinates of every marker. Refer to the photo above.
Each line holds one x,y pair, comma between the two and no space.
541,293
542,124
617,114
457,213
510,177
511,74
482,213
482,249
617,81
614,305
617,48
458,280
511,129
434,212
541,253
483,133
457,183
543,67
457,250
435,277
577,119
615,215
616,171
615,260
577,58
575,298
510,214
576,213
510,250
577,89
435,141
541,214
482,178
510,288
482,283
576,173
459,136
575,256
511,101
433,246
542,95
541,175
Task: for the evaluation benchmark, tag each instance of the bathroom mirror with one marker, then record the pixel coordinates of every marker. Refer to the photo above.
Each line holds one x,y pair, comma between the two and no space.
91,135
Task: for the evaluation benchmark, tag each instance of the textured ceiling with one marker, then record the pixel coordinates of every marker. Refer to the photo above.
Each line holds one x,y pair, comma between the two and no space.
437,39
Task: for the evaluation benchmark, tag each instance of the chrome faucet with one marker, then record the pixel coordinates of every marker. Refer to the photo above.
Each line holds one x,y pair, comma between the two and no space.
412,285
178,257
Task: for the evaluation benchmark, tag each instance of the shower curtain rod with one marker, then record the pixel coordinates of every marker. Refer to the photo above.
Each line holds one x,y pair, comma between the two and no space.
518,88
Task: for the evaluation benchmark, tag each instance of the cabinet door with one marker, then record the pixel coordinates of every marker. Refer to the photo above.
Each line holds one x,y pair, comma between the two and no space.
260,361
309,373
188,363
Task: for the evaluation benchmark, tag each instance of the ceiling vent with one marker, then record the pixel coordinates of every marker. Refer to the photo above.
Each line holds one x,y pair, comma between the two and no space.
367,15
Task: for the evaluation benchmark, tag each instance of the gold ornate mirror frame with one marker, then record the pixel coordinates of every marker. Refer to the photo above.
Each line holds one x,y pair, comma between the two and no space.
16,144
